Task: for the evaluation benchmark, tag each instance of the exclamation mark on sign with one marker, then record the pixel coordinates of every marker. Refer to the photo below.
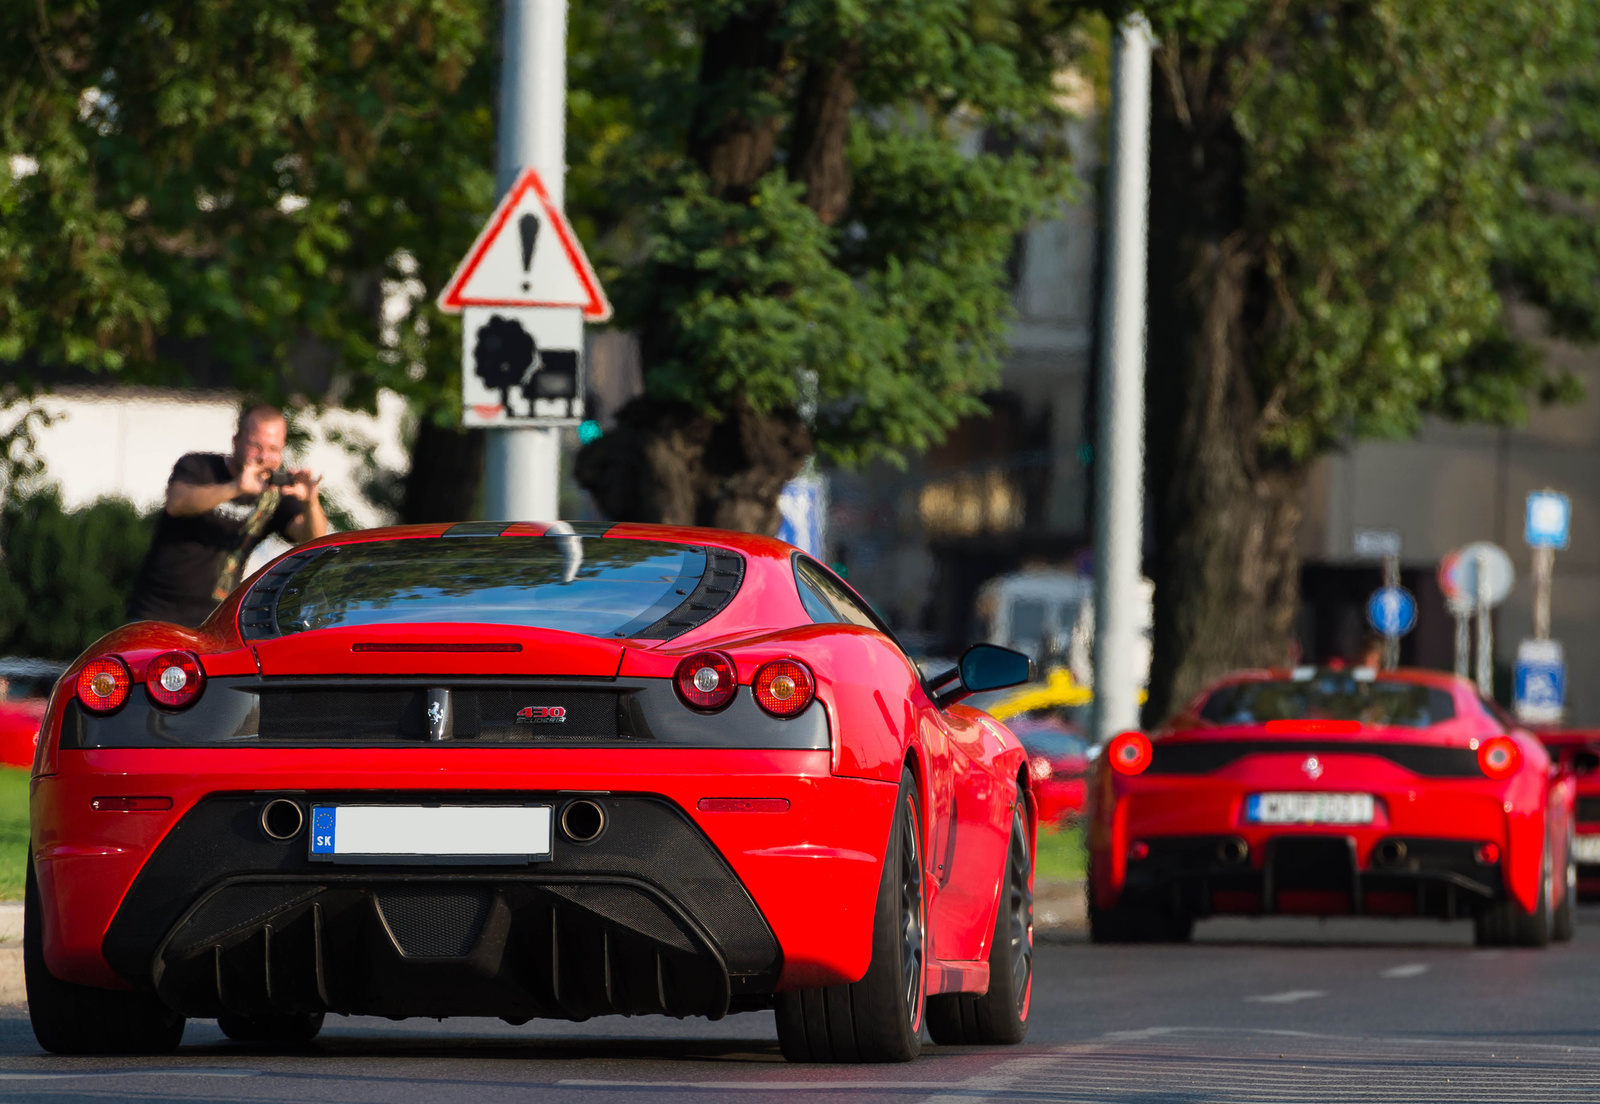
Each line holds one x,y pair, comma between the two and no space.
528,227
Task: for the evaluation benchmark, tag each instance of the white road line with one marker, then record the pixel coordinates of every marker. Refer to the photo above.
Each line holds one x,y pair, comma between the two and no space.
64,1075
1409,970
1288,998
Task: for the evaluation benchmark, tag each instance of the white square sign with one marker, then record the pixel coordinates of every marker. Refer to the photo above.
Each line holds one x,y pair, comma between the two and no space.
521,366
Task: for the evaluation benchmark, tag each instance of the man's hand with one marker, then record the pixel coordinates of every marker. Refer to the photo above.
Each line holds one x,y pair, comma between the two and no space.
253,478
304,486
312,522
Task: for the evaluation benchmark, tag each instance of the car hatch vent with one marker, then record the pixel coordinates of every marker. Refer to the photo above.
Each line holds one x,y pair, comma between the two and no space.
723,575
258,613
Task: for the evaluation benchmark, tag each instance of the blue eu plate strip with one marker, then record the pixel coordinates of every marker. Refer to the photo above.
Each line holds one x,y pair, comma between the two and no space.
1252,809
323,824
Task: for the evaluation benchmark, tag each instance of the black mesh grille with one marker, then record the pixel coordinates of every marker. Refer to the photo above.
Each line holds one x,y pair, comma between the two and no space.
318,715
1204,756
429,923
1589,809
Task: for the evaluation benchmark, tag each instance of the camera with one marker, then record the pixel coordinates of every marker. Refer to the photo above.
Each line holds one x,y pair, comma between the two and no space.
282,477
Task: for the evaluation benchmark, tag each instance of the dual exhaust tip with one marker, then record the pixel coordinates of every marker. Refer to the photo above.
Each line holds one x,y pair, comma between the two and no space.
582,821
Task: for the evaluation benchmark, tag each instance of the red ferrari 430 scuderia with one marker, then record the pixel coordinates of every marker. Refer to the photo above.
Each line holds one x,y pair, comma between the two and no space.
1325,792
525,771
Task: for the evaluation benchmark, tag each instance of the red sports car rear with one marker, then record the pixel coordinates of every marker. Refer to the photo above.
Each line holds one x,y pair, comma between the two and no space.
1327,792
522,771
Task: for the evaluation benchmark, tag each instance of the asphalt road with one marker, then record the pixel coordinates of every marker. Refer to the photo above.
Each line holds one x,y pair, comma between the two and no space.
1255,1011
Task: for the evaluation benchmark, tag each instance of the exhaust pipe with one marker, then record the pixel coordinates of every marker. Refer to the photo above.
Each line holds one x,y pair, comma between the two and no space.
282,819
1391,852
583,821
1232,852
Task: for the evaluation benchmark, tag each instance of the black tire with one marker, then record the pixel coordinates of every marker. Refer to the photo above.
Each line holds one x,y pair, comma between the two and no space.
296,1027
80,1019
1506,924
879,1018
1563,923
1000,1016
1130,924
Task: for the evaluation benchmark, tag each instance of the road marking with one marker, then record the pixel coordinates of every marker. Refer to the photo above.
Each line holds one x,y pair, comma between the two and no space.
63,1075
1288,998
1409,970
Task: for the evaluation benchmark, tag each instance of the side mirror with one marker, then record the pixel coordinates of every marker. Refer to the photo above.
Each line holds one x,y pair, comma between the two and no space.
988,667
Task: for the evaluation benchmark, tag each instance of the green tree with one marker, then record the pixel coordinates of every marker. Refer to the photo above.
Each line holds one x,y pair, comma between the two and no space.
812,260
1335,194
198,184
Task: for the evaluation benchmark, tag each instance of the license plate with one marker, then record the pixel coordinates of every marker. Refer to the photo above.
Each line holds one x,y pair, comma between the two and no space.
1586,849
1309,808
430,833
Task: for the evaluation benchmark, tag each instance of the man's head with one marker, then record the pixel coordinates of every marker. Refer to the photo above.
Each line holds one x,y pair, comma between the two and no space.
261,437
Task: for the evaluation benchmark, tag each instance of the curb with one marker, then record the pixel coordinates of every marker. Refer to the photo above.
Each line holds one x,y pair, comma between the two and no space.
12,990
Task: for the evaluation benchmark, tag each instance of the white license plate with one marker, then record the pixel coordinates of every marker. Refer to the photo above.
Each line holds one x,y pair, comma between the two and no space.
426,833
1309,808
1586,849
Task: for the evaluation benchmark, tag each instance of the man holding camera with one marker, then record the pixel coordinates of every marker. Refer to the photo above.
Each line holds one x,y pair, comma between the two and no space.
218,509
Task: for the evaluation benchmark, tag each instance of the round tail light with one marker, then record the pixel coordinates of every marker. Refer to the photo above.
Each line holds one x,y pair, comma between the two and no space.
103,684
1488,853
706,680
1499,757
784,687
1130,752
174,679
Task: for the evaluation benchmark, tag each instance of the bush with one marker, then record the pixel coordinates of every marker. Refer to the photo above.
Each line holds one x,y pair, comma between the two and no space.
65,576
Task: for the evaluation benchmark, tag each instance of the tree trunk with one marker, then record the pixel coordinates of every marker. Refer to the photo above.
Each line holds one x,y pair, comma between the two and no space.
733,142
446,472
670,464
1223,550
821,127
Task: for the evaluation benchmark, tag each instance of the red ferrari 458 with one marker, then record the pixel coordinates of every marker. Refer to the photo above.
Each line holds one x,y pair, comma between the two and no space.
530,771
1326,792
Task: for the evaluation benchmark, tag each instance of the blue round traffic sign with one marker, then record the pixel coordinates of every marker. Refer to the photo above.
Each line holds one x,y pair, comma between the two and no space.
1392,611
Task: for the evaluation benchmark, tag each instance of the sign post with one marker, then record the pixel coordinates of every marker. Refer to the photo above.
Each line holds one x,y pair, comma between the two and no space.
1541,671
1477,577
1384,544
1393,612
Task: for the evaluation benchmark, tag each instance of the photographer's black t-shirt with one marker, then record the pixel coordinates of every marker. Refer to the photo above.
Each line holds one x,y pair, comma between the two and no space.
188,554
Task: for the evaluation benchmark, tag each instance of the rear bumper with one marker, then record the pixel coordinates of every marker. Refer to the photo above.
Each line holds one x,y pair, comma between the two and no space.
670,910
1316,874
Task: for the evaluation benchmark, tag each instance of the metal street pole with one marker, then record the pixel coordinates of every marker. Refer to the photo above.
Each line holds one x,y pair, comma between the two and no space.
1485,631
522,465
1544,566
1119,455
1391,644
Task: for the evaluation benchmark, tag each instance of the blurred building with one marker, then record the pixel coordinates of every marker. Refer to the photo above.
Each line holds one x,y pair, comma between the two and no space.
1004,492
1452,485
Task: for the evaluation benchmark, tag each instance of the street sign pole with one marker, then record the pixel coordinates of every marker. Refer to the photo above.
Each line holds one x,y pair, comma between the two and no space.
1539,679
1544,566
1485,631
522,464
1119,452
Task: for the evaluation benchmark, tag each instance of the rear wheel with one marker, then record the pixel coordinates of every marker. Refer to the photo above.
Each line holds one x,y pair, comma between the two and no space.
80,1019
879,1018
1506,924
298,1027
1000,1015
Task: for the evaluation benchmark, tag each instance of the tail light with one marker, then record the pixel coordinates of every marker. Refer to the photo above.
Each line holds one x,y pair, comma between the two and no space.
174,679
1039,767
1138,850
784,688
1499,757
706,680
1488,854
103,684
1130,752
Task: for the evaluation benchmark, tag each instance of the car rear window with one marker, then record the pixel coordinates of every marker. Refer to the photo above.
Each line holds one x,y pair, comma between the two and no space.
598,587
1330,697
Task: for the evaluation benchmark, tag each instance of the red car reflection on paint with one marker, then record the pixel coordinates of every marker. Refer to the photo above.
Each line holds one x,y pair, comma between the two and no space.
1058,760
25,686
1329,792
530,771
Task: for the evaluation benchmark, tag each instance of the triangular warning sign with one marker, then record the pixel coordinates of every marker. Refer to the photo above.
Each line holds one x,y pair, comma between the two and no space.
526,256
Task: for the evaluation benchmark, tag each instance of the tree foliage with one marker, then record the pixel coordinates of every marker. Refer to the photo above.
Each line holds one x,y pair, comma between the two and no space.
1340,214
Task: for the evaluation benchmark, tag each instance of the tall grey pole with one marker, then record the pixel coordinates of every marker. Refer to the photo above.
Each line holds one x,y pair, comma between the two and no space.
522,465
1485,630
1119,451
